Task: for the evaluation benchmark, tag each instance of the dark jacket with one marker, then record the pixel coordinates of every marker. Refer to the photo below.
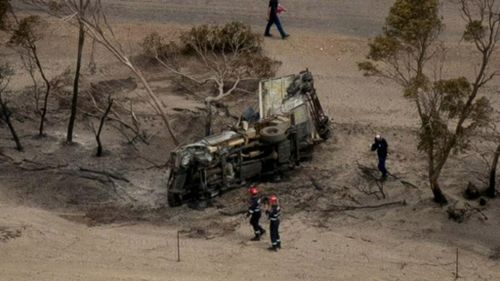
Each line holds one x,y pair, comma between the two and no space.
273,4
254,206
274,214
381,147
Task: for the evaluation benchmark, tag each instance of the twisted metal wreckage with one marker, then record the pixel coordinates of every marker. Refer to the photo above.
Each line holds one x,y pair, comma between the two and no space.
265,143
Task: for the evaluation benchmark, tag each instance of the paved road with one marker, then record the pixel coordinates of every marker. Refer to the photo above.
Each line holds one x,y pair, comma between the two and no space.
362,18
359,18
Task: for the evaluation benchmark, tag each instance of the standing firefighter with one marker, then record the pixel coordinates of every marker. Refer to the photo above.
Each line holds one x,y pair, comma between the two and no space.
254,212
274,227
381,146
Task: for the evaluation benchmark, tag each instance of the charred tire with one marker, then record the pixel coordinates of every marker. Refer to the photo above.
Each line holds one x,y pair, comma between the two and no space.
325,130
307,87
174,199
273,134
325,133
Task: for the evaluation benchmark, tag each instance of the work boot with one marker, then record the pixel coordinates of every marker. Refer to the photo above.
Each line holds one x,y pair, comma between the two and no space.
268,35
285,36
256,238
279,245
262,232
273,248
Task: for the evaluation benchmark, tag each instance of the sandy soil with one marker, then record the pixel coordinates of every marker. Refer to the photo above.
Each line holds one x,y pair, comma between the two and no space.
57,224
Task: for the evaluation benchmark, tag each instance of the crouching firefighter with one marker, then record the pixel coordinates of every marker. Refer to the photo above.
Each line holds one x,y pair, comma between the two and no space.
254,212
273,214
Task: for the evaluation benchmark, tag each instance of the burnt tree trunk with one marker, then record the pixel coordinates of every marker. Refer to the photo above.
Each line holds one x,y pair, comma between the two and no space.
101,125
36,91
434,170
434,173
5,115
438,194
74,102
208,121
492,188
47,92
92,62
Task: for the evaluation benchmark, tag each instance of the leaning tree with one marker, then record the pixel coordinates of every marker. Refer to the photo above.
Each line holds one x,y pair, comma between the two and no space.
227,55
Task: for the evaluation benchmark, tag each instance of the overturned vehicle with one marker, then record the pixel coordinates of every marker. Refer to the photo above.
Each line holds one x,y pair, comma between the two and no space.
263,144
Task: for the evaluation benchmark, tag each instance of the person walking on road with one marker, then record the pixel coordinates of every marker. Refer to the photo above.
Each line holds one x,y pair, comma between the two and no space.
254,212
381,146
273,215
272,18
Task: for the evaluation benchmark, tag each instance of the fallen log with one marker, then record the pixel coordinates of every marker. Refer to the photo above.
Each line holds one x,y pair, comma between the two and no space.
337,208
6,156
315,183
233,213
407,183
368,174
105,173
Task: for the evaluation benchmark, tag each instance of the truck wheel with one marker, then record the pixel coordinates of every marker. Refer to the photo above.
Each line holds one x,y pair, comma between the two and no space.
325,134
273,134
325,130
174,199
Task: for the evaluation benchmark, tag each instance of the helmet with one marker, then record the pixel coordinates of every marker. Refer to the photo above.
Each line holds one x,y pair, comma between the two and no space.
378,137
273,200
253,190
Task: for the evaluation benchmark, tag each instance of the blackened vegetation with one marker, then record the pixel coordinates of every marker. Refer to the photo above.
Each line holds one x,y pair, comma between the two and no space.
7,234
5,110
492,186
4,11
6,113
496,254
25,35
97,132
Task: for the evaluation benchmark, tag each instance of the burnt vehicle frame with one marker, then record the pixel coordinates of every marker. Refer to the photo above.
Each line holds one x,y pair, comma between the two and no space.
289,123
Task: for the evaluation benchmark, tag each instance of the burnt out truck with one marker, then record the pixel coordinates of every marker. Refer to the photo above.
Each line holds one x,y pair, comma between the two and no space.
264,143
